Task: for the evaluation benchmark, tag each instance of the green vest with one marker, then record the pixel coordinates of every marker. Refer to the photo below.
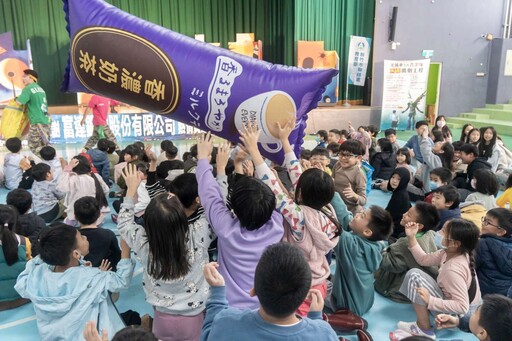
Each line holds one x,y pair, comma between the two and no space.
9,274
34,97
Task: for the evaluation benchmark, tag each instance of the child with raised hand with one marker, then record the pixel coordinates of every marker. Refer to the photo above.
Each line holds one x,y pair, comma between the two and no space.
172,255
282,281
439,155
244,232
15,252
65,292
486,188
77,181
397,259
490,322
310,219
493,258
456,288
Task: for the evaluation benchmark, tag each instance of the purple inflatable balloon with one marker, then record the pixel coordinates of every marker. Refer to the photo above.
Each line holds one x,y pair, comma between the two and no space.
123,57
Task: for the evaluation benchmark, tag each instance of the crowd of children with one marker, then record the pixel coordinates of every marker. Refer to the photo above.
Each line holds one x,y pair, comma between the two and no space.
231,244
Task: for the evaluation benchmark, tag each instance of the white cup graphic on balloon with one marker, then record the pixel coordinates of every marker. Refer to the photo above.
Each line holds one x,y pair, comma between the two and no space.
266,110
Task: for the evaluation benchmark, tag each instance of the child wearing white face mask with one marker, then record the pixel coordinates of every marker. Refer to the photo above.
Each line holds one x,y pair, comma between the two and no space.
65,292
486,188
456,287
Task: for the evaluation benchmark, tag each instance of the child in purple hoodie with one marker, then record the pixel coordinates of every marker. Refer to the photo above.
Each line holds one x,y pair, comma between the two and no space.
244,232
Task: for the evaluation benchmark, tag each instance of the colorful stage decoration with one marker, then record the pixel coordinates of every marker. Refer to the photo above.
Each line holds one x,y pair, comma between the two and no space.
403,98
312,55
123,57
12,64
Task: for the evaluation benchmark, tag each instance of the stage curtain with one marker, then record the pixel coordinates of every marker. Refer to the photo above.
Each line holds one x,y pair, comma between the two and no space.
334,21
272,21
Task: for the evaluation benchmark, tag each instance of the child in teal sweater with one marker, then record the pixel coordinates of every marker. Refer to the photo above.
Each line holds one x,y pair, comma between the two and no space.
358,256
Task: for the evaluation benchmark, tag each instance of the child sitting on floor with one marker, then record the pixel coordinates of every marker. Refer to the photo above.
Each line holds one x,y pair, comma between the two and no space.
15,252
349,179
48,156
29,224
399,203
102,242
486,188
282,281
358,256
48,201
310,219
12,169
243,231
65,292
490,322
79,181
456,287
446,200
494,253
172,254
397,259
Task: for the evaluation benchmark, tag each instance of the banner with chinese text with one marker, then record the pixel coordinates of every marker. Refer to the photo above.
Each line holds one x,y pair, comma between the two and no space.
144,126
358,55
404,89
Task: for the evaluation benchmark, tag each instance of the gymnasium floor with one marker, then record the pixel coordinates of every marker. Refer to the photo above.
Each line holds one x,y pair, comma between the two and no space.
20,323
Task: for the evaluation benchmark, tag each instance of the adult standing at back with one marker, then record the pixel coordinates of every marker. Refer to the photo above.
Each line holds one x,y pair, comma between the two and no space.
100,107
36,107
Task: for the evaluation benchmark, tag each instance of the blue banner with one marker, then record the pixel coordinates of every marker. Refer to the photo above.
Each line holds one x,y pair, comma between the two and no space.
144,126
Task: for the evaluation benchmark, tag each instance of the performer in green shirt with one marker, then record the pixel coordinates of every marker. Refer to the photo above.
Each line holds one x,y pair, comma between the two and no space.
36,107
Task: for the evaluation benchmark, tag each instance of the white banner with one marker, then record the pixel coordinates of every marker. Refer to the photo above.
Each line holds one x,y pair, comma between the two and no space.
404,90
358,55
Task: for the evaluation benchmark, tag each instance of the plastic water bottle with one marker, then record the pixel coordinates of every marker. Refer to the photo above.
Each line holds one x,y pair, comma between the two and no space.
507,205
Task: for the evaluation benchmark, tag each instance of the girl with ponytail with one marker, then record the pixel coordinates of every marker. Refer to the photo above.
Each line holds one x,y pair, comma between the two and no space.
15,251
456,287
79,181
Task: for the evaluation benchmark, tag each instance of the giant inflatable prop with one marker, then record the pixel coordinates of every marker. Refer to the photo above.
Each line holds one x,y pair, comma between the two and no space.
123,57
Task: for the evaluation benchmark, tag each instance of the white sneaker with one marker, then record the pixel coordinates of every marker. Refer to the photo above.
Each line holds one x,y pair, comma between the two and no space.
413,329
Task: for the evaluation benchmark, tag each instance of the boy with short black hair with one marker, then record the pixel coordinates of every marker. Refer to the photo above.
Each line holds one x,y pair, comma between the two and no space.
333,136
349,179
12,169
112,156
30,224
282,282
358,256
414,143
164,147
100,159
446,200
243,232
390,134
48,201
397,259
469,156
102,242
321,138
490,322
320,159
59,282
48,156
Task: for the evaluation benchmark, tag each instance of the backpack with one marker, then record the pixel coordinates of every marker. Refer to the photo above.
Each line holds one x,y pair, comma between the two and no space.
368,171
